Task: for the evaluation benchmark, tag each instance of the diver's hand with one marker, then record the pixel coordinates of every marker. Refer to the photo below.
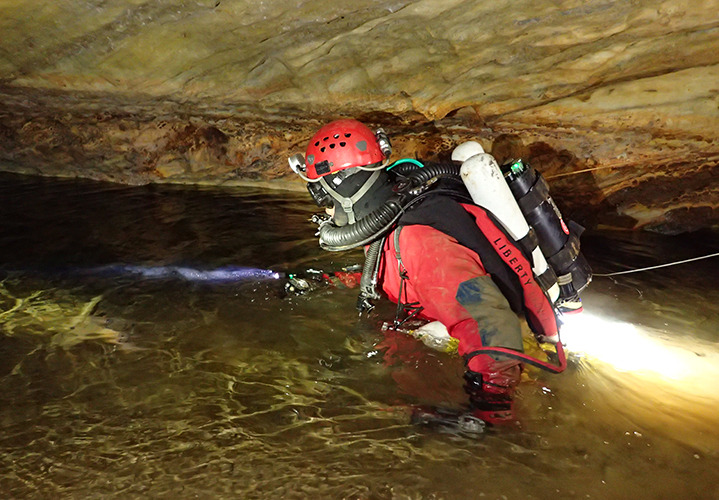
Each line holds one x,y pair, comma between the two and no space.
548,339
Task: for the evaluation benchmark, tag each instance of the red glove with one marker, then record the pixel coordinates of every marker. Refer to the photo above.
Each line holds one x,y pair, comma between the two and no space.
343,278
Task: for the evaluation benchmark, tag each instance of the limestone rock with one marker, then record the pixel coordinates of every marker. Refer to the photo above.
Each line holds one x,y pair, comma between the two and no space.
617,103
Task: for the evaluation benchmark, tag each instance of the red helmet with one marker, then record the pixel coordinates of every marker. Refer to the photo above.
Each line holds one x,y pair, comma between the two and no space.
340,145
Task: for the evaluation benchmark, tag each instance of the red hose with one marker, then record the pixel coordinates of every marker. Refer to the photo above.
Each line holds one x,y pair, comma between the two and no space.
544,365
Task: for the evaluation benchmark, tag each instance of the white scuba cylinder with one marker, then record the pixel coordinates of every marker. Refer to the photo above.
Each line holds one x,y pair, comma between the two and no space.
486,185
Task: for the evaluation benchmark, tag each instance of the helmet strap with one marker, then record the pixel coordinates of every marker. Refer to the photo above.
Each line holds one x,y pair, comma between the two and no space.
349,202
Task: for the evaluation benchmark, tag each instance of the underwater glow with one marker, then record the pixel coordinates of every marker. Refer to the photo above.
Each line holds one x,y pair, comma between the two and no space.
637,349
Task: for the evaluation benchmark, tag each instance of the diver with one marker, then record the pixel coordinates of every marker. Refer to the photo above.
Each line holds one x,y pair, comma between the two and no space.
441,256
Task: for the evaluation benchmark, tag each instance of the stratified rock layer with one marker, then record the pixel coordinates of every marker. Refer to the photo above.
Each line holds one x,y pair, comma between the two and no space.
617,103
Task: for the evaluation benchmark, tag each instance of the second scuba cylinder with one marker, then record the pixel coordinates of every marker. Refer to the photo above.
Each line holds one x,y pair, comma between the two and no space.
559,241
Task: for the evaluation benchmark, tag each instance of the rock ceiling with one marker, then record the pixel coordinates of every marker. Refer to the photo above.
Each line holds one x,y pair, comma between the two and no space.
616,102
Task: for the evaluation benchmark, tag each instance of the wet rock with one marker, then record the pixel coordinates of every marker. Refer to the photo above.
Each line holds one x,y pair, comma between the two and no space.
617,103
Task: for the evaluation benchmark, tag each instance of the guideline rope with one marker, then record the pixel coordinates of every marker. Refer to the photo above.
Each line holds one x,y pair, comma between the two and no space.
660,265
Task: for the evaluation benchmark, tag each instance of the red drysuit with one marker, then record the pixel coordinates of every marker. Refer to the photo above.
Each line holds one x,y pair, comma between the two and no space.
449,281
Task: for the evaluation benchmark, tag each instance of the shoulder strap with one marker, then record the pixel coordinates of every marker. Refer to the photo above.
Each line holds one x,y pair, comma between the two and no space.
407,309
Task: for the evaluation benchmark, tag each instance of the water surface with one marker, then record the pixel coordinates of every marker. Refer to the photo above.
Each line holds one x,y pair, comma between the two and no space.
119,385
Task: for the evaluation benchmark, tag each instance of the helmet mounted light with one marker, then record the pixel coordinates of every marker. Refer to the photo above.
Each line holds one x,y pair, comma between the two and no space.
297,163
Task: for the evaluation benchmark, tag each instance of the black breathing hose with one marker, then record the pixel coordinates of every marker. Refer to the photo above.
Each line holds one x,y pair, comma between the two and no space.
422,175
338,238
375,224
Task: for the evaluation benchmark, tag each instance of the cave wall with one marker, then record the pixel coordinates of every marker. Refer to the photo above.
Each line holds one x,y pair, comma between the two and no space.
617,103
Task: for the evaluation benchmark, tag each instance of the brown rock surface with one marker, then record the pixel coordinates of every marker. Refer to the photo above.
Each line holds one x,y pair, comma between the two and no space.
616,102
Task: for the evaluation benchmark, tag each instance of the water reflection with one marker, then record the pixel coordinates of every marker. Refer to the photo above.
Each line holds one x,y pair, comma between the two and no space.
122,386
